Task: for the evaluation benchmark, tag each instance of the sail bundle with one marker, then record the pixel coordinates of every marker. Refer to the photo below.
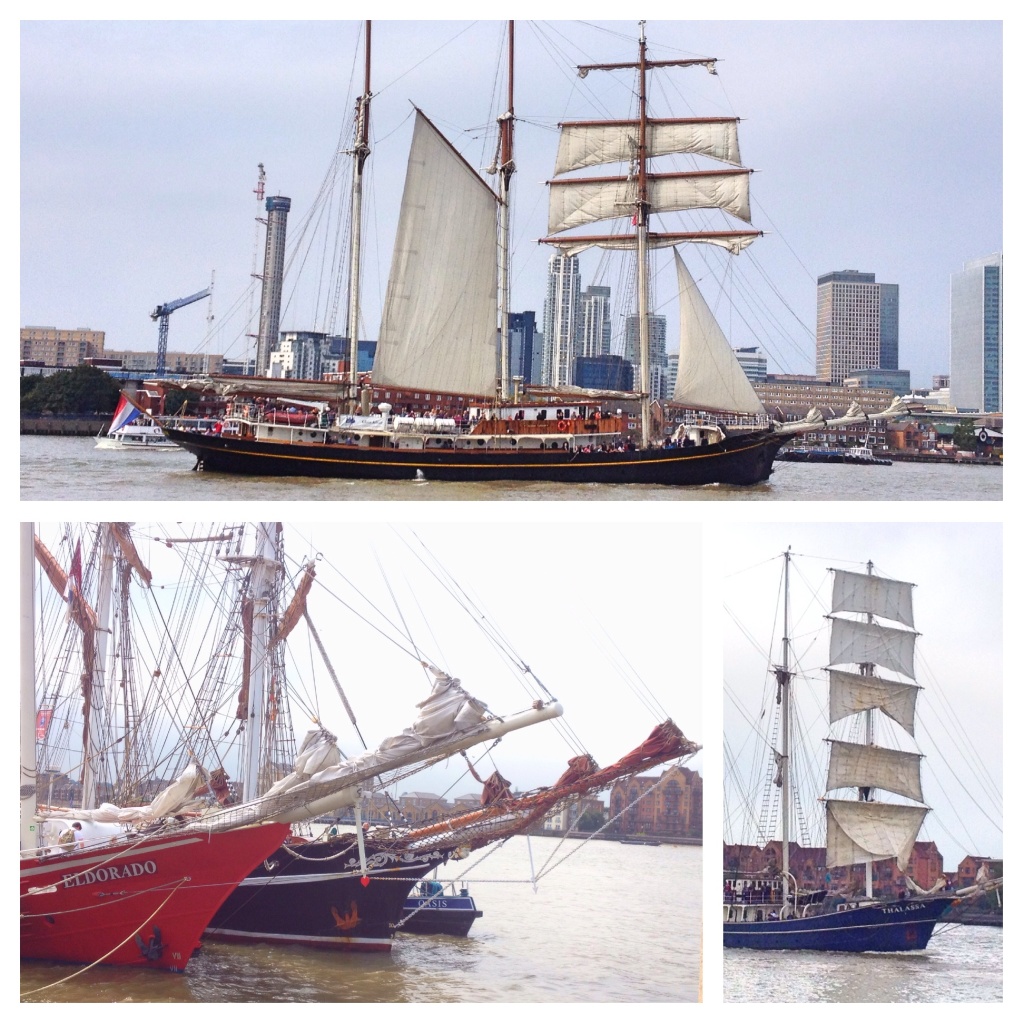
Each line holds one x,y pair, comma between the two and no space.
859,831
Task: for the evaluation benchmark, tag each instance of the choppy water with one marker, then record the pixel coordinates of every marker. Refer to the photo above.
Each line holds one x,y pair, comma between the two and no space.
611,923
962,964
73,469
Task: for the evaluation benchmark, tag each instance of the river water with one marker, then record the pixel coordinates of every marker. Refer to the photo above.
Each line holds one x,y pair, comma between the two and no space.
608,923
74,469
962,964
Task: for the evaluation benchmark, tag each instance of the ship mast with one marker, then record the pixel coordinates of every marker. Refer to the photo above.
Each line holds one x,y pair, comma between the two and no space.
360,152
643,213
783,675
869,740
506,169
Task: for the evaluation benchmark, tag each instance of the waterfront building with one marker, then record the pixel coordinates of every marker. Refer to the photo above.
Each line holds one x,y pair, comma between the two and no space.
897,381
561,319
976,335
61,346
671,804
807,865
187,363
299,355
603,373
857,325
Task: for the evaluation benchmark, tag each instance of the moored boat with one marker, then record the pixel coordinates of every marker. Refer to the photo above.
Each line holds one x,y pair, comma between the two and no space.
437,909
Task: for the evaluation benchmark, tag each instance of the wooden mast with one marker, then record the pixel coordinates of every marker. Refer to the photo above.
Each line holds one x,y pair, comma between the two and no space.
360,152
506,169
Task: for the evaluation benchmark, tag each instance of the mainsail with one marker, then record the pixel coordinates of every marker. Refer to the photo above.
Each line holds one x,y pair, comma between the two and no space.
859,831
438,327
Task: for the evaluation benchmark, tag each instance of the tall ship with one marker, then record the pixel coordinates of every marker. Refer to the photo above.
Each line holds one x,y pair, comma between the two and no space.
874,803
445,322
192,674
112,886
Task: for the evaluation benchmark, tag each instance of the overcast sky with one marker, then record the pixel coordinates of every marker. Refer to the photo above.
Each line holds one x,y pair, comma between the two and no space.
957,569
878,147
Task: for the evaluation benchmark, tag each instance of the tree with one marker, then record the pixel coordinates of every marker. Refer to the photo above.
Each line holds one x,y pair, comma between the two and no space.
963,435
85,389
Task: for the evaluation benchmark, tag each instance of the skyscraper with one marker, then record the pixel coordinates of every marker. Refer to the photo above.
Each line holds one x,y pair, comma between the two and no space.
521,328
561,316
657,386
976,335
858,325
595,321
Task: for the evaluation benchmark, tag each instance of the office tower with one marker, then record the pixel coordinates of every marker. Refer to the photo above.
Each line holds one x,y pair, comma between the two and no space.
858,325
976,335
522,327
595,321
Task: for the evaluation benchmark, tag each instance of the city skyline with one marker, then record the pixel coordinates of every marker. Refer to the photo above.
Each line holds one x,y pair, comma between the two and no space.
140,142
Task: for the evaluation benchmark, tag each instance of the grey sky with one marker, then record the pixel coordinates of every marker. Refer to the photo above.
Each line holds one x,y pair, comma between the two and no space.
957,569
878,147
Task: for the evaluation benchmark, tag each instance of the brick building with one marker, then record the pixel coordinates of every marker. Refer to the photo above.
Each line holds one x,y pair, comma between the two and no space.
671,804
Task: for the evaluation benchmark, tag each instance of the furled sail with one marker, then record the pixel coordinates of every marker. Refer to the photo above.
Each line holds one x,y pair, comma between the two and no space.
859,831
858,643
439,324
576,201
854,764
850,693
588,143
873,595
709,376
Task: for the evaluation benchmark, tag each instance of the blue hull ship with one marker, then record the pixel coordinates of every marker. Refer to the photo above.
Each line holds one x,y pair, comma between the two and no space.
890,926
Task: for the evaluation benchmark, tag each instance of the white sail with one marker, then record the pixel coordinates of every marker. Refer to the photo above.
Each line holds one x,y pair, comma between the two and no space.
873,595
582,201
859,831
859,643
588,144
854,764
850,693
439,324
709,375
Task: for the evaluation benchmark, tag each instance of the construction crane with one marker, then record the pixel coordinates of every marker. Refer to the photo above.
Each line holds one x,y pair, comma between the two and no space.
163,313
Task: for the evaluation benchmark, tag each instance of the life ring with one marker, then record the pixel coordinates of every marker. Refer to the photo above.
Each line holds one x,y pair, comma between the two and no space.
563,425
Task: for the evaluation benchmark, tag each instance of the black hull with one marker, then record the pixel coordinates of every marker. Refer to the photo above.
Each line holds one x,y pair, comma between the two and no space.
894,926
741,460
312,895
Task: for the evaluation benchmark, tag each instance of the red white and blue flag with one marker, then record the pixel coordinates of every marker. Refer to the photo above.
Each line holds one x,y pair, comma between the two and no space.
124,414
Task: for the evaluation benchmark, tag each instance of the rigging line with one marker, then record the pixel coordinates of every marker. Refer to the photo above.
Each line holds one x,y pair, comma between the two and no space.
637,686
468,604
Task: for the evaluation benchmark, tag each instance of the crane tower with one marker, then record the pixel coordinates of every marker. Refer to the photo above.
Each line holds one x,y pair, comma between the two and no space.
163,313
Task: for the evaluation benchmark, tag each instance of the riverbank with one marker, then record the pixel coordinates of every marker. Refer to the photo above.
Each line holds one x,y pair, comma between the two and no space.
67,424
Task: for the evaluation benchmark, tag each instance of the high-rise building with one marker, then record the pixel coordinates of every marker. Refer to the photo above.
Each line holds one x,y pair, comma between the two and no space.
858,324
595,321
976,335
521,329
273,280
561,316
657,329
59,346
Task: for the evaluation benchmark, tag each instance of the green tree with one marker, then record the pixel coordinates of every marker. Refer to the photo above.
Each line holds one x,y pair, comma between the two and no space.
85,389
963,435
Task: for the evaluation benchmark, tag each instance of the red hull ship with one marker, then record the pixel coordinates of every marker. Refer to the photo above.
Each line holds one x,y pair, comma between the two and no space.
141,903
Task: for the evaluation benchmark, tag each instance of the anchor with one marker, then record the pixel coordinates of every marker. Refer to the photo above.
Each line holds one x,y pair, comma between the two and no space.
153,948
